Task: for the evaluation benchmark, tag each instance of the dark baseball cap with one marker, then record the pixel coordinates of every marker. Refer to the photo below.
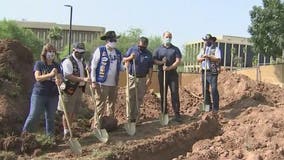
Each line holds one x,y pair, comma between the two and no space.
79,47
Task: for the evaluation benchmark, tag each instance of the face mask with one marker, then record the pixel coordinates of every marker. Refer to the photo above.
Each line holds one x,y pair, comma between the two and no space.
208,43
142,48
50,55
167,41
112,44
79,55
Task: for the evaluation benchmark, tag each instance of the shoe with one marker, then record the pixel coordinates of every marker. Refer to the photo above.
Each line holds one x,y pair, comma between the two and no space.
178,118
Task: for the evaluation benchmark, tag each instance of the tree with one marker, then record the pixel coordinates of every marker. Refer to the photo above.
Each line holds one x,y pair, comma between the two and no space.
267,27
54,35
10,30
126,40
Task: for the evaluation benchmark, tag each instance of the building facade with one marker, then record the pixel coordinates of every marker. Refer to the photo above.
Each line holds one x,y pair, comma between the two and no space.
79,33
235,52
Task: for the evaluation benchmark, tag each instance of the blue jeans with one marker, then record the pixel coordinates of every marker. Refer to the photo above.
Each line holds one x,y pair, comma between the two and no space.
38,105
172,82
211,79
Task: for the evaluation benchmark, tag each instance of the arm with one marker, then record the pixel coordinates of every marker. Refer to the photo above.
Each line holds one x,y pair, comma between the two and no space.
68,72
43,77
200,56
94,64
177,61
174,65
216,57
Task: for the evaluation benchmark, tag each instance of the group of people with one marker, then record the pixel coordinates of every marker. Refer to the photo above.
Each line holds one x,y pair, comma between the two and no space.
71,77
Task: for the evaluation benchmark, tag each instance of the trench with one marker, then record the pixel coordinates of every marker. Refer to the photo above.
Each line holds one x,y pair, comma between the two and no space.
177,142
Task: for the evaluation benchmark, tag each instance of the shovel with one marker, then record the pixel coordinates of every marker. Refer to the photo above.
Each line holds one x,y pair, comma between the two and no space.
164,117
130,127
204,107
73,142
101,134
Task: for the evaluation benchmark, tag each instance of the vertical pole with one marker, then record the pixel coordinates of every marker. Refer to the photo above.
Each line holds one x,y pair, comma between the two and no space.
70,28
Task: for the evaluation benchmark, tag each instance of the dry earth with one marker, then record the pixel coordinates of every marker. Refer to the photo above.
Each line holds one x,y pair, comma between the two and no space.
250,123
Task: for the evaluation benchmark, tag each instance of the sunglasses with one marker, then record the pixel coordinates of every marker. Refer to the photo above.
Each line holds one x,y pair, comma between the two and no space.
112,40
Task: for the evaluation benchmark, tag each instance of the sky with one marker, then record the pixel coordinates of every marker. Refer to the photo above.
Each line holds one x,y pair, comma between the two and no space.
188,20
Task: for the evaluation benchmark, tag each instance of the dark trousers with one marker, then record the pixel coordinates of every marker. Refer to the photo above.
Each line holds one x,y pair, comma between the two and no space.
173,83
211,79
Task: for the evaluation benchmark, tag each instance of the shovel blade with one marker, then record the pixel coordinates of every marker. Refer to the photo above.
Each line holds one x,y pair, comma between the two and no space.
204,107
75,146
130,128
102,135
164,119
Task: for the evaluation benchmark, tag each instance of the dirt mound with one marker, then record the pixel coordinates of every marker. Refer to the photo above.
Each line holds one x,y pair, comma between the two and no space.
16,63
249,124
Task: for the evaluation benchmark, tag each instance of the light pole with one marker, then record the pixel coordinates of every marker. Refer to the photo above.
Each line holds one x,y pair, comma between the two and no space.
70,27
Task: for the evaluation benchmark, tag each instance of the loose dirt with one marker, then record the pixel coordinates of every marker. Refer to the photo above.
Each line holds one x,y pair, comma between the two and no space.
249,125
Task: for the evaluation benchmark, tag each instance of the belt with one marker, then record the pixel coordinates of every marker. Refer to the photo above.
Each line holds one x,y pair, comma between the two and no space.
208,70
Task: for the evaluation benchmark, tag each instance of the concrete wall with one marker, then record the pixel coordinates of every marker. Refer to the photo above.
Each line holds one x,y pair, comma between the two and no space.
269,74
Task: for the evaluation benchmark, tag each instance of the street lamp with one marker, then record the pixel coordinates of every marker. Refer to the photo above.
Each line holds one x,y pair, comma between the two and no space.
70,27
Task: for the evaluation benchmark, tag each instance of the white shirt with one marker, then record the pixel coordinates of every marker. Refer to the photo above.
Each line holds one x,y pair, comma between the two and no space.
112,72
209,51
68,67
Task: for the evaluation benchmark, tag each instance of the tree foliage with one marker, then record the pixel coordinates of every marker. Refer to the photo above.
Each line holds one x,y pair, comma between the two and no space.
267,27
10,30
126,40
55,33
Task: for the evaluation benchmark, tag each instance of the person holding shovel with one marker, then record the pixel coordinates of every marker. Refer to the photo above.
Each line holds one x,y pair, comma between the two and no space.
44,98
105,66
143,68
209,57
75,79
168,57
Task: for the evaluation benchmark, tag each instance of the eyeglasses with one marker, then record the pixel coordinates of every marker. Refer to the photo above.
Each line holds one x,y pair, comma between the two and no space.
112,40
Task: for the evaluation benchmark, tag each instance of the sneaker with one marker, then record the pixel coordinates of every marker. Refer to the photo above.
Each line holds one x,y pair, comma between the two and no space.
178,118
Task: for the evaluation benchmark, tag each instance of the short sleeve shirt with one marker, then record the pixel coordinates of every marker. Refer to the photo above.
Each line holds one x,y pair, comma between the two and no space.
47,87
171,53
143,61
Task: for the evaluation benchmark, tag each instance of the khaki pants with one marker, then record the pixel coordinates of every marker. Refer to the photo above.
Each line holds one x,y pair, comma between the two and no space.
72,102
105,96
133,109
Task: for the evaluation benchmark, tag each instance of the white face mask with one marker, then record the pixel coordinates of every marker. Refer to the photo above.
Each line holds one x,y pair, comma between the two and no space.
167,41
50,55
112,44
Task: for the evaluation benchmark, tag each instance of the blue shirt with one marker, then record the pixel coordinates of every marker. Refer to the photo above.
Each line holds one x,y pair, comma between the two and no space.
47,87
143,61
171,53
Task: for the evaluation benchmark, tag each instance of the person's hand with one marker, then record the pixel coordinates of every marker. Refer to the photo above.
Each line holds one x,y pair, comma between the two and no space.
94,85
166,68
58,81
132,55
87,79
53,72
164,60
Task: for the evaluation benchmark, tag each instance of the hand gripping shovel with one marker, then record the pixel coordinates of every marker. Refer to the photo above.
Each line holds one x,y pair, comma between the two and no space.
101,134
130,127
73,142
164,117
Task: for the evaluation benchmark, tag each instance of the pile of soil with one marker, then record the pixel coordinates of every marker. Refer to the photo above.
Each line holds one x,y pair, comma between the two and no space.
249,124
16,78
